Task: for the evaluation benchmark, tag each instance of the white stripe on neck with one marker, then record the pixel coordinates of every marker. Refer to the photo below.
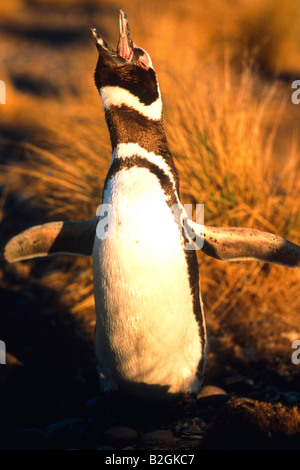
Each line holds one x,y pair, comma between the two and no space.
128,150
116,96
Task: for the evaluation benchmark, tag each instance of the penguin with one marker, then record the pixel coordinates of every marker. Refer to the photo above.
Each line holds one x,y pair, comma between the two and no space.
150,335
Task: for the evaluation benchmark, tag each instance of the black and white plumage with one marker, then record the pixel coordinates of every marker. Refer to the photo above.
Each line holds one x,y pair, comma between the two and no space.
150,334
146,335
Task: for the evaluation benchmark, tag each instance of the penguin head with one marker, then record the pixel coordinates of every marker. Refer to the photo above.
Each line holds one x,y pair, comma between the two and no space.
129,67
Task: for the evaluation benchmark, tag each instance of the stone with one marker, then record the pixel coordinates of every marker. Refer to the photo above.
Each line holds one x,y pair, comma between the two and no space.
191,428
212,395
159,436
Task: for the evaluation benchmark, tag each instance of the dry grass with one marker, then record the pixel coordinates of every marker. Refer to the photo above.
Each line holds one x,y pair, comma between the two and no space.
222,119
248,422
224,153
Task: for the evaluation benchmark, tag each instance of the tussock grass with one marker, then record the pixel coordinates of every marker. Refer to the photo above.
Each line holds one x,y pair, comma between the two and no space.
222,119
224,154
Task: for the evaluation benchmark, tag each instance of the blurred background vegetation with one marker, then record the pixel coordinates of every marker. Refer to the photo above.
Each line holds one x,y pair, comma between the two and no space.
225,69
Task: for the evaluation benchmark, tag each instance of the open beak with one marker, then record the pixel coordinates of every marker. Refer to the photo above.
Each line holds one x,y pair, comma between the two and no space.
125,47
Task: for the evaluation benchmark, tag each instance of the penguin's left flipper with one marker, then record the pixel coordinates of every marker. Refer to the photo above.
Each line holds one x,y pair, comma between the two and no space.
71,238
238,244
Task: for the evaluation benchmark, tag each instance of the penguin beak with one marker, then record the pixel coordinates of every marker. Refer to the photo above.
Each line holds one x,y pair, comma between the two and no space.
127,51
125,47
100,43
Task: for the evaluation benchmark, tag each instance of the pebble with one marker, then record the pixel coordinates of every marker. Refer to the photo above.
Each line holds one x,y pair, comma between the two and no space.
158,436
212,395
121,435
193,428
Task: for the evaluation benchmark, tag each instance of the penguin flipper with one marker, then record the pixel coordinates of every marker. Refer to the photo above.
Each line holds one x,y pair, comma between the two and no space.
71,238
238,243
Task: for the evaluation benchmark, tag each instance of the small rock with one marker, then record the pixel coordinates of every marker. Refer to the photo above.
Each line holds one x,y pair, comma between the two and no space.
212,395
158,436
121,435
193,428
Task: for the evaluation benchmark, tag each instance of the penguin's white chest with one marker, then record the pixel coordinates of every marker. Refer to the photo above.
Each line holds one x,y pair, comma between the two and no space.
146,329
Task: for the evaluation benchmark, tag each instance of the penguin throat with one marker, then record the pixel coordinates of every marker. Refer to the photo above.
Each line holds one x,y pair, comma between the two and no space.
126,125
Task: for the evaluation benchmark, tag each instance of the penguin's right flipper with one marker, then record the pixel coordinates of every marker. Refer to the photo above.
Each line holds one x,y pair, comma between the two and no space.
71,238
238,244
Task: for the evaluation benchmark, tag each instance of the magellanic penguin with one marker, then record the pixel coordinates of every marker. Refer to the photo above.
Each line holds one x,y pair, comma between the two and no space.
150,337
